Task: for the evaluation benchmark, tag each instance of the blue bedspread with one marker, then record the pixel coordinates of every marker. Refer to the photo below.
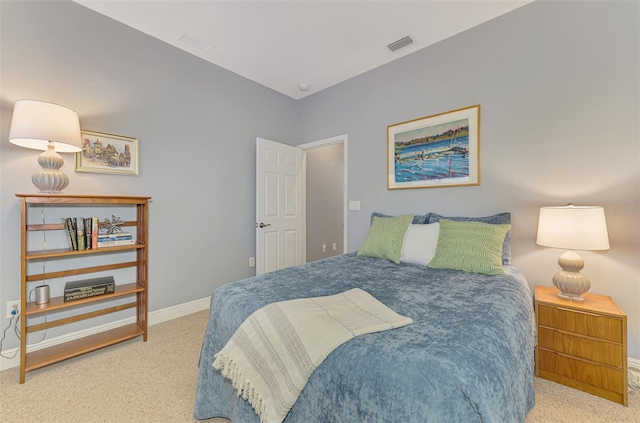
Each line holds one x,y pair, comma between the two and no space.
468,356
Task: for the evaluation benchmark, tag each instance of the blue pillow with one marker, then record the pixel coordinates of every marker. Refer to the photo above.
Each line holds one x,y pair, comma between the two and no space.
496,219
417,219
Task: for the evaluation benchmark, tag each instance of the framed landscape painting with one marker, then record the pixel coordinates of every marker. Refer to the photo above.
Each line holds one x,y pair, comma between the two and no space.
436,151
107,153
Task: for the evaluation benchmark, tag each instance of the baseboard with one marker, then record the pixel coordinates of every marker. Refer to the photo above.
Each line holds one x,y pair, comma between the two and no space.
154,317
179,310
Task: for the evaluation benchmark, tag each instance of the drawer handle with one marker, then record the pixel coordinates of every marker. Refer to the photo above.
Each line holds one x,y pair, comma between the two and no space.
578,311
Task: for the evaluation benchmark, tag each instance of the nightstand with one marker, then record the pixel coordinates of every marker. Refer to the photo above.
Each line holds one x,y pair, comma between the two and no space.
582,344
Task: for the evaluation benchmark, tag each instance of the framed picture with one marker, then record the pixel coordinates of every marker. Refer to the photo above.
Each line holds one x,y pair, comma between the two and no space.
107,153
442,150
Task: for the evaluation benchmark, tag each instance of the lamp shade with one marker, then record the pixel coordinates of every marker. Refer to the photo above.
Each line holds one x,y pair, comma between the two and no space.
573,228
36,123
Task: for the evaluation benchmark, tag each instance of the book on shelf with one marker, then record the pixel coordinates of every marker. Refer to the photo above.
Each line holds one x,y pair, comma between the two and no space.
81,240
115,236
115,239
95,228
87,232
85,288
72,233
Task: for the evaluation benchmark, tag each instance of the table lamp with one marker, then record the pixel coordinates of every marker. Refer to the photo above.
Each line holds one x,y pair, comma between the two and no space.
572,228
49,127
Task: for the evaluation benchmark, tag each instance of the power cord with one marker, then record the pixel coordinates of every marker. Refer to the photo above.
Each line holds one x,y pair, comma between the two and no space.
16,314
44,333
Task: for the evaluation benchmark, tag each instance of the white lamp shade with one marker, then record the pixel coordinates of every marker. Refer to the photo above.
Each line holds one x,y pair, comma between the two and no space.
573,228
36,123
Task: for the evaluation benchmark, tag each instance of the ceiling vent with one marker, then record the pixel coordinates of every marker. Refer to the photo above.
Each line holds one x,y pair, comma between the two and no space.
403,42
193,41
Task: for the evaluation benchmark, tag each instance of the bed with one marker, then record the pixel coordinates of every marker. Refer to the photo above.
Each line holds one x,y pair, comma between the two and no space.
467,356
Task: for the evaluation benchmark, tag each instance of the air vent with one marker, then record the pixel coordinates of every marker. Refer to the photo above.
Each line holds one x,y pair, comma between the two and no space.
403,42
190,39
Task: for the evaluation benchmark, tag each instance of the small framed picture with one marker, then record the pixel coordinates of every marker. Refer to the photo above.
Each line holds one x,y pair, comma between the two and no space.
107,153
441,150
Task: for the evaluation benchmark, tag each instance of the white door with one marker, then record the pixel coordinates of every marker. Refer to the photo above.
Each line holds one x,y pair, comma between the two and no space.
279,206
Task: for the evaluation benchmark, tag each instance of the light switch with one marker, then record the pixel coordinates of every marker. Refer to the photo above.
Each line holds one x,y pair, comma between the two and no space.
354,205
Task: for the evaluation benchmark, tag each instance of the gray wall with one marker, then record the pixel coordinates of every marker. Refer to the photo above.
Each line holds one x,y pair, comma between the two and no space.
325,198
559,93
197,124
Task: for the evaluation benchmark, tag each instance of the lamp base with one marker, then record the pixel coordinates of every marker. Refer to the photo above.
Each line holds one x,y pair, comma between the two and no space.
570,297
571,283
50,179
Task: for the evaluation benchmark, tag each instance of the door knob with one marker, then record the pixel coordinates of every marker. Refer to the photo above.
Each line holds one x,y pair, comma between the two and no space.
262,225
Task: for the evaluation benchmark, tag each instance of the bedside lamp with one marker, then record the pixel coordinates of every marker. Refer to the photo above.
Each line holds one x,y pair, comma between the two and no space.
572,228
48,127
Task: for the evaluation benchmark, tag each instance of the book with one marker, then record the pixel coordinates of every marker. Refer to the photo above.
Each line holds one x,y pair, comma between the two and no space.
87,233
88,288
116,243
80,233
115,236
95,228
72,233
115,239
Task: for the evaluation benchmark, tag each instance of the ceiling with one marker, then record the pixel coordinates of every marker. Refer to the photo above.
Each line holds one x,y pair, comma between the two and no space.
283,44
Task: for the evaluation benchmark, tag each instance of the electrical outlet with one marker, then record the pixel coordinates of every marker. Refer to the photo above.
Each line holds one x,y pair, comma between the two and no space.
324,248
11,306
252,261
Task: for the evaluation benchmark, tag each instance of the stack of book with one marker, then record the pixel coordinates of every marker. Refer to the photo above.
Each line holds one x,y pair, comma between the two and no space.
115,239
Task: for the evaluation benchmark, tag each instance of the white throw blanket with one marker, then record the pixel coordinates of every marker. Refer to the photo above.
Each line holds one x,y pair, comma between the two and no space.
273,353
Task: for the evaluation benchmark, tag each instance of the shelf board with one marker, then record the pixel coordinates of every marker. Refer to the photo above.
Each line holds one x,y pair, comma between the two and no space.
57,303
64,199
56,353
63,226
65,252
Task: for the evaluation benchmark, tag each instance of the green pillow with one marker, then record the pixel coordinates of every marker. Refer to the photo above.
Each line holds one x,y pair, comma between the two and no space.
386,236
470,246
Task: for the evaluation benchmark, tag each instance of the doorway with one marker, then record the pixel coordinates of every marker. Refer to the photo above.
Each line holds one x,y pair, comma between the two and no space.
325,181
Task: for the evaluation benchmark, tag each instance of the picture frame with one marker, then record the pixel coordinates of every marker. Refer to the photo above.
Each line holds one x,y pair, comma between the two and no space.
107,153
436,151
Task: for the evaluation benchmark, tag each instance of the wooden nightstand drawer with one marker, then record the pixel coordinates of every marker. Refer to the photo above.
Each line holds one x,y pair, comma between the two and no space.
597,375
604,352
581,322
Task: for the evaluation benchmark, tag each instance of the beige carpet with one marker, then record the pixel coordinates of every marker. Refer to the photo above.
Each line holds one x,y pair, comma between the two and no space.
156,382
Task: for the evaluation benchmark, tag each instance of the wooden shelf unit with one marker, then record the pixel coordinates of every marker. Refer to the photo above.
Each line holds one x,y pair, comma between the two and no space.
137,290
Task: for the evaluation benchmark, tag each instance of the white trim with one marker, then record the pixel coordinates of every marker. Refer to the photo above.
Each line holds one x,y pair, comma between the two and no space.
324,142
155,317
180,310
304,206
344,138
